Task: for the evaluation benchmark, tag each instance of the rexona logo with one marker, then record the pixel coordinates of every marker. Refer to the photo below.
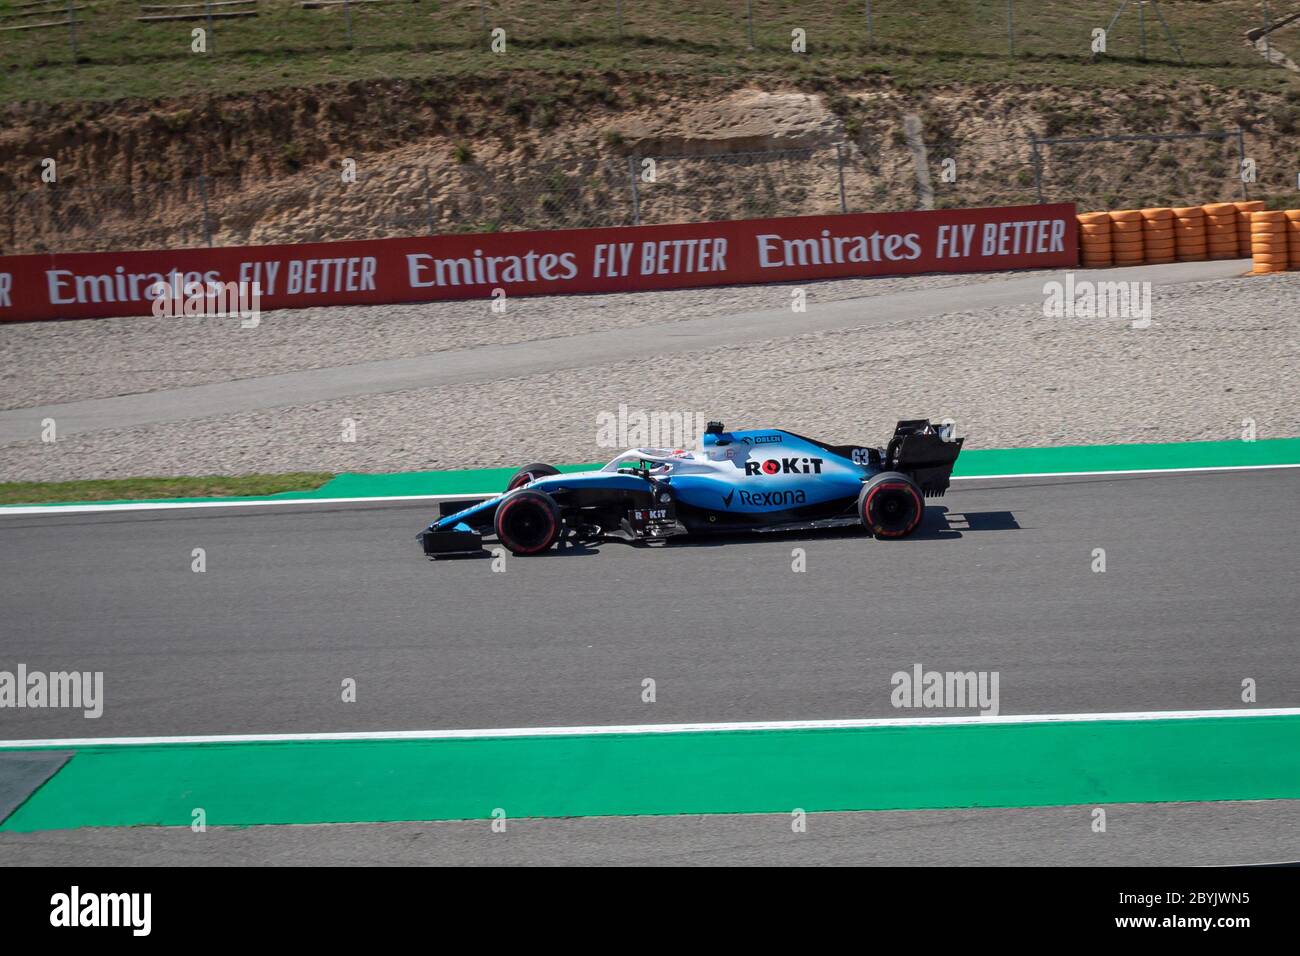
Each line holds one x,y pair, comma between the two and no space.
772,499
785,466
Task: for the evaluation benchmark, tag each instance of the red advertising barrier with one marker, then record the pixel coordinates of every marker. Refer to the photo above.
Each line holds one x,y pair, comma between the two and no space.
619,259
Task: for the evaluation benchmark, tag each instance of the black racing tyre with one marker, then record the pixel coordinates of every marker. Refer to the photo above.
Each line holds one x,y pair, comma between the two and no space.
530,473
891,505
527,522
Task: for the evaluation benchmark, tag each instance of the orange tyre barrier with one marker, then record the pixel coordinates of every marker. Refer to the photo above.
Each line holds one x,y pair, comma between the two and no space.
1220,209
1190,234
1157,235
1293,237
1244,209
1269,241
1095,248
1126,237
1223,230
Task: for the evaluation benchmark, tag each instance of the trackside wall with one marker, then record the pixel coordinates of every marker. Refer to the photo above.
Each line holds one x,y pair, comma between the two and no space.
619,259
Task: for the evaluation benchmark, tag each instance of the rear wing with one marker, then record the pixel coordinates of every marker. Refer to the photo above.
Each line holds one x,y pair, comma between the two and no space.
925,451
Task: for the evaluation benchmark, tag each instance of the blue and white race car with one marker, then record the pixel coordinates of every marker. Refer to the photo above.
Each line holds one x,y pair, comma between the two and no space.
763,479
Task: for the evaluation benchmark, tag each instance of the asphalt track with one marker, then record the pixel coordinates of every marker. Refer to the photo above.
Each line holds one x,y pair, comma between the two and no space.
1198,595
491,363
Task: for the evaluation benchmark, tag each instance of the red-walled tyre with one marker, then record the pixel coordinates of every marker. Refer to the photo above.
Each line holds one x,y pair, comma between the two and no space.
527,522
891,505
531,473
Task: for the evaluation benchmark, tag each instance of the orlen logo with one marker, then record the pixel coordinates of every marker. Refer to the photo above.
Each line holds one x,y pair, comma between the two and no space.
785,466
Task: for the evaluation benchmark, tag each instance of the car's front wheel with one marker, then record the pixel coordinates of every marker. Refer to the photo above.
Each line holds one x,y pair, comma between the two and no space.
531,473
527,522
891,505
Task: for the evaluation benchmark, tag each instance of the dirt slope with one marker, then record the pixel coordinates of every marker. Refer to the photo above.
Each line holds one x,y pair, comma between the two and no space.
439,155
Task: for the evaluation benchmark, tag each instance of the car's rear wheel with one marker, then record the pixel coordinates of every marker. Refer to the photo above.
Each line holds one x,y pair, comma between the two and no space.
527,522
531,473
891,505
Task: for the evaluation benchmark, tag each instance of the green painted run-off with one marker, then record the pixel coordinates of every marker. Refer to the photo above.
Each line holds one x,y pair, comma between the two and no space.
875,768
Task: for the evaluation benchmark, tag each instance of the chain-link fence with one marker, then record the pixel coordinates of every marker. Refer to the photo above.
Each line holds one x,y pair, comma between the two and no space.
52,32
1102,172
1156,171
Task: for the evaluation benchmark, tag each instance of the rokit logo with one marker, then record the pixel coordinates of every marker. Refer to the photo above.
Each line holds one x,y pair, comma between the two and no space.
785,466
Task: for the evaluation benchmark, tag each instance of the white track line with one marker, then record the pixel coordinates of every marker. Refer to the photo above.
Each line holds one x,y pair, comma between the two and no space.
175,505
640,729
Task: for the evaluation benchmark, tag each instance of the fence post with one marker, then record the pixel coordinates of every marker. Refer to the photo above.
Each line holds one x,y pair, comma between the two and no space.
212,30
1011,31
1142,31
619,7
482,16
749,16
72,30
212,33
428,200
1038,169
347,15
1169,35
1241,162
207,222
839,162
871,34
632,164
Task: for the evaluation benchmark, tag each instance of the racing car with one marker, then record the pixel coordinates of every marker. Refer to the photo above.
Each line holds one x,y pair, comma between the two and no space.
763,479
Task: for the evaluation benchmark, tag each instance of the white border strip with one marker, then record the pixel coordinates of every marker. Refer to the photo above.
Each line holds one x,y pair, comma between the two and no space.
642,729
175,505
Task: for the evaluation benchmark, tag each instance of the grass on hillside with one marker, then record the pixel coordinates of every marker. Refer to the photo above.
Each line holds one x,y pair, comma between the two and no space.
136,489
916,42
